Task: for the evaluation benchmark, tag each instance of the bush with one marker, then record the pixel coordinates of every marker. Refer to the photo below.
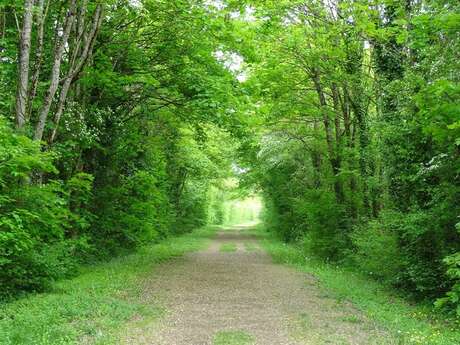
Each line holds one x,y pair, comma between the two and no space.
405,249
315,218
36,222
422,249
452,299
323,227
376,250
192,211
131,214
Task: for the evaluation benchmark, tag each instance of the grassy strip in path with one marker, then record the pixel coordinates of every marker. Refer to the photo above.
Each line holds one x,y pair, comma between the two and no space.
233,338
411,324
228,248
90,307
250,246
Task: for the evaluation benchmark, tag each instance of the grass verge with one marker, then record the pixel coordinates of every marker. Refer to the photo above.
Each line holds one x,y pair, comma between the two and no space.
228,247
90,308
411,324
233,338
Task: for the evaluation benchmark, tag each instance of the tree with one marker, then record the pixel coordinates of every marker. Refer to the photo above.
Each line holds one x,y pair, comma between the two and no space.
23,70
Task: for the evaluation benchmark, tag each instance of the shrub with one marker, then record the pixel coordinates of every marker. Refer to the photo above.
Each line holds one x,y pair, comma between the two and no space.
192,211
132,213
35,219
451,301
405,249
376,250
323,228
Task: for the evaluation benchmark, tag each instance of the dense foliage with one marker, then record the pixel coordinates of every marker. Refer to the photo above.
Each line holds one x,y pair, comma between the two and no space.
358,156
120,116
129,121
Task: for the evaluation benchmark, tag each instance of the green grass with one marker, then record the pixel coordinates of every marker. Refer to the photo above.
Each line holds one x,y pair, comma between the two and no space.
97,303
233,338
351,319
228,247
412,324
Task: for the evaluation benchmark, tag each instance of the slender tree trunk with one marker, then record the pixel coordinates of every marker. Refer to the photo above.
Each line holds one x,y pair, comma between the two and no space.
338,135
3,24
55,72
60,107
346,116
179,189
41,16
334,158
23,68
77,64
316,158
349,142
360,114
338,138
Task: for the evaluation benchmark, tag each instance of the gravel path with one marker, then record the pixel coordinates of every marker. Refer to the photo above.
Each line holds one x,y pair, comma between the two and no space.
217,290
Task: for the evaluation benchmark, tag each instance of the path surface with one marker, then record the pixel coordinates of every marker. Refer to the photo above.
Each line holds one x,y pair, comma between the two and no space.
215,290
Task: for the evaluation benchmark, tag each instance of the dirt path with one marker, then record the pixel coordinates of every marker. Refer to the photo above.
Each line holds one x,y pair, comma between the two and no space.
232,290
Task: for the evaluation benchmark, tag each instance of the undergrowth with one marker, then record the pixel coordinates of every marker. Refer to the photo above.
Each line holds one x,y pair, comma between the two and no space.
412,324
91,307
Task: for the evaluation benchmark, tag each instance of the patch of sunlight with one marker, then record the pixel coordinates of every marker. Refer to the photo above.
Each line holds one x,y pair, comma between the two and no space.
242,211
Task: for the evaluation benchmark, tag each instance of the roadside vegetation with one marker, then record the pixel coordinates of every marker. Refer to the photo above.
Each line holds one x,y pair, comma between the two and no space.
357,150
126,123
96,306
107,143
409,323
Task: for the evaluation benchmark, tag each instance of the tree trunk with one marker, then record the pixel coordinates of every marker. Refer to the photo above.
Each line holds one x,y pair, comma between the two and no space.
23,68
360,114
316,158
55,72
349,142
77,64
41,15
334,158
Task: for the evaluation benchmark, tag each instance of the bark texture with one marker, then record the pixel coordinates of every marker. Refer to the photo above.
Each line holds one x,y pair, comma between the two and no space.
23,68
55,71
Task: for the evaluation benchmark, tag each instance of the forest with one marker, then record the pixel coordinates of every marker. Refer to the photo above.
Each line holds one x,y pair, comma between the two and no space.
124,122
